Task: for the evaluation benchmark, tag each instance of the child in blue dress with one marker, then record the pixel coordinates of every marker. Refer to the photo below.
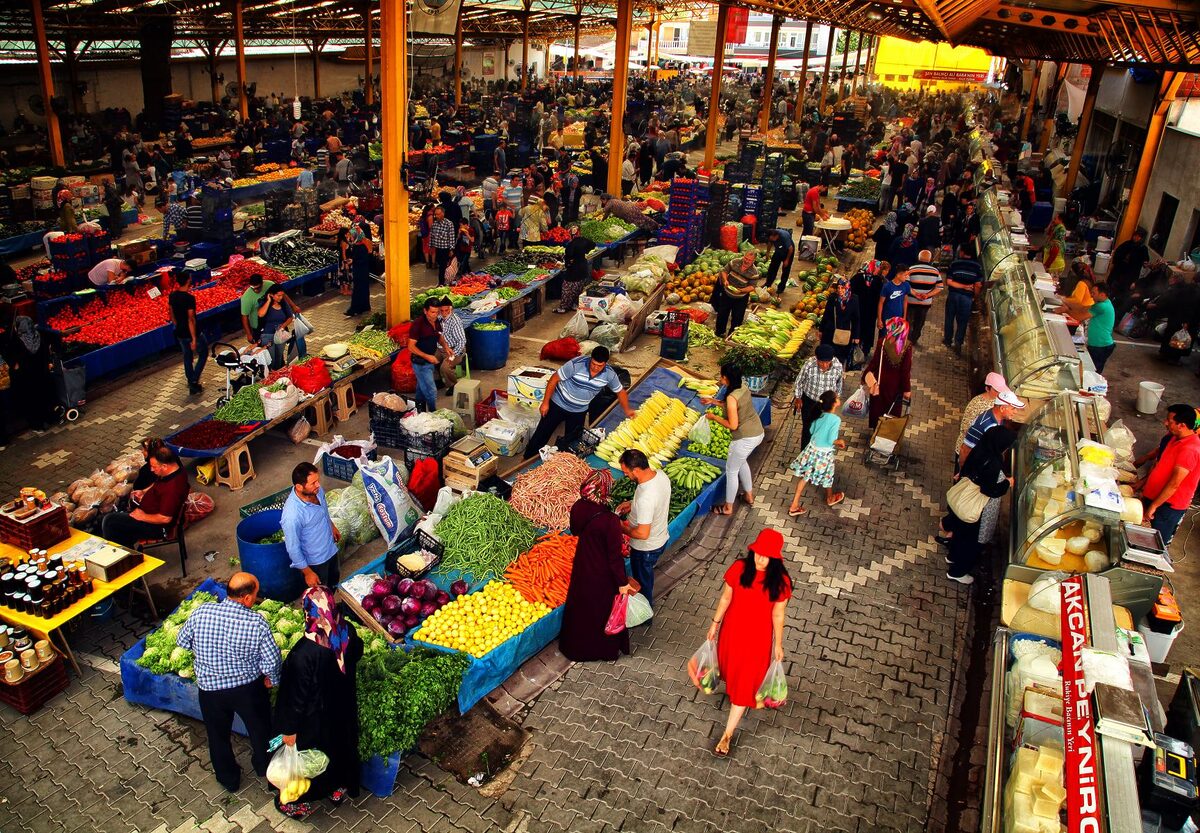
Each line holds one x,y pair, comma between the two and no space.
815,463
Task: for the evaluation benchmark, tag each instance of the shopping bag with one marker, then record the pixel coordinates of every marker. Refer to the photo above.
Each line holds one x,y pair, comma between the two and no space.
1181,340
857,404
301,325
451,270
857,358
577,328
616,618
965,500
1129,322
701,432
637,611
772,692
314,762
286,774
702,667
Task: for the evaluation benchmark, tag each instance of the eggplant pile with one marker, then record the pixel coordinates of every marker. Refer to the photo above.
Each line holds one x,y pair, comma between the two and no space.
401,604
296,258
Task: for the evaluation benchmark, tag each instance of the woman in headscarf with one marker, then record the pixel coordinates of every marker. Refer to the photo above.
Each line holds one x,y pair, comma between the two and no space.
885,234
597,576
317,707
28,358
1053,254
360,270
888,372
840,325
987,468
904,251
865,287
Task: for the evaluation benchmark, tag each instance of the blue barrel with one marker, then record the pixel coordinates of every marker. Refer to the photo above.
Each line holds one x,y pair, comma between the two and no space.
268,562
489,348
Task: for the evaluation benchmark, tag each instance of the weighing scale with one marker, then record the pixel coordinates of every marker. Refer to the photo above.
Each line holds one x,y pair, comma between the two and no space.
1144,545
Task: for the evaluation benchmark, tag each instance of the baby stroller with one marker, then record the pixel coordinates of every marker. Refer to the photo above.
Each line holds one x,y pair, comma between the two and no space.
887,439
70,390
241,368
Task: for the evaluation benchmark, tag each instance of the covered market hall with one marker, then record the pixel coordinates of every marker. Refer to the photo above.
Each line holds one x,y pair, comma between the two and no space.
599,415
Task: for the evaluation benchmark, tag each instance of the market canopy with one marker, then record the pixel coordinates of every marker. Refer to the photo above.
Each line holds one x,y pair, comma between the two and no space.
1159,33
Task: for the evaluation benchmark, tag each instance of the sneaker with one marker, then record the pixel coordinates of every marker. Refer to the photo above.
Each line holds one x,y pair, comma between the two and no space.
195,388
965,579
942,539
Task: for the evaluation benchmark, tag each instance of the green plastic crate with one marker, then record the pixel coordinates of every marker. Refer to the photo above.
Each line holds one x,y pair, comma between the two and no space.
274,501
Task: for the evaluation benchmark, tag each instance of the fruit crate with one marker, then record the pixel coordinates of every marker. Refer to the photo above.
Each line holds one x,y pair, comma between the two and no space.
385,424
37,689
422,540
486,410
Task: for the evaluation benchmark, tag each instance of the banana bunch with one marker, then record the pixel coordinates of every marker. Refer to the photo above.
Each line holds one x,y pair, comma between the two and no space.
704,387
658,428
796,340
691,473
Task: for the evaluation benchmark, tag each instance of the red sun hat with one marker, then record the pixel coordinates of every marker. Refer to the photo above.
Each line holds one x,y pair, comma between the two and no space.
768,544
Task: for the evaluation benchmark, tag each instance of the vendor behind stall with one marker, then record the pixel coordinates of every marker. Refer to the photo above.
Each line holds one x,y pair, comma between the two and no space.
568,395
308,532
110,271
576,270
156,507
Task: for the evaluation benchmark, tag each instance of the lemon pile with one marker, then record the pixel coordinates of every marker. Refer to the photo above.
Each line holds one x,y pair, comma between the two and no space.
658,428
478,622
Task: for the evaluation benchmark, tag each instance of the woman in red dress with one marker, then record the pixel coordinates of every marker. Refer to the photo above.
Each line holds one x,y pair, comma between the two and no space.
749,621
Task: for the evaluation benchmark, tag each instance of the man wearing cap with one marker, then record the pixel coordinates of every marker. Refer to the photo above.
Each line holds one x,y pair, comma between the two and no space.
1006,403
820,373
979,405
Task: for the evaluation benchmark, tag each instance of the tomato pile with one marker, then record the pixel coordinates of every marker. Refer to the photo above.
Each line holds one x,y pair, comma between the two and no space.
472,284
558,234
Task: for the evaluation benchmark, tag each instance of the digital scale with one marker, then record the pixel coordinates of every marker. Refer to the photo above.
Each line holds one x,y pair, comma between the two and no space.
1144,545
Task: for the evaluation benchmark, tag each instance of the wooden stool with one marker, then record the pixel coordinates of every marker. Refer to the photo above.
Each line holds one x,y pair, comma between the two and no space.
320,414
235,468
344,405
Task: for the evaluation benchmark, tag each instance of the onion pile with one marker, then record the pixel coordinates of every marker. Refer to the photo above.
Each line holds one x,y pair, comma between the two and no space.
401,604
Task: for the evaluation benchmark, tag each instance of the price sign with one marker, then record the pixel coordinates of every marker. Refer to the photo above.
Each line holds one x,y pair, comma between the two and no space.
1079,728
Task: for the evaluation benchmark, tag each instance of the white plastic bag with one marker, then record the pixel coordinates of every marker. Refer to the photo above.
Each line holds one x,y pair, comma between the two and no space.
702,667
365,447
701,432
286,774
638,611
394,511
445,499
577,328
772,692
610,335
281,401
1120,439
856,405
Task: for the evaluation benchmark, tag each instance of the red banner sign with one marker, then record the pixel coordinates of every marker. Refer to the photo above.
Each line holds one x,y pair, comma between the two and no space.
1079,730
736,23
951,75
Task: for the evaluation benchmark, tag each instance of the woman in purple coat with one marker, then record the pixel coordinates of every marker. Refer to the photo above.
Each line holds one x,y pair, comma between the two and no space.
597,576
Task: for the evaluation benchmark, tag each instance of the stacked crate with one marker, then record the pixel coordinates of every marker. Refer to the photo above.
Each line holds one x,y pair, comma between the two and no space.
70,255
99,245
217,205
720,212
307,200
674,230
772,184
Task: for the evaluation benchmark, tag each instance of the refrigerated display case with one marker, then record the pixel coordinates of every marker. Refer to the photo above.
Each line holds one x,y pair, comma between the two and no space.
1035,354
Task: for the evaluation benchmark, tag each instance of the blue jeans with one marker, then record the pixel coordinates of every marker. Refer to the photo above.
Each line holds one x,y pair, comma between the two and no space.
426,387
1166,521
193,363
958,314
641,564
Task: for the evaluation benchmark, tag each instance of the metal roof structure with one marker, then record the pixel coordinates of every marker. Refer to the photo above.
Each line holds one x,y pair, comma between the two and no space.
1157,33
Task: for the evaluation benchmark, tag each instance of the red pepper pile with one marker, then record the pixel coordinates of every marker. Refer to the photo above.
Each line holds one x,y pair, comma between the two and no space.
311,376
558,234
209,434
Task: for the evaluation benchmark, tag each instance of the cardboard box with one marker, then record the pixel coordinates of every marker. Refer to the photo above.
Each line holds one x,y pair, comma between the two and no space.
469,462
503,438
529,384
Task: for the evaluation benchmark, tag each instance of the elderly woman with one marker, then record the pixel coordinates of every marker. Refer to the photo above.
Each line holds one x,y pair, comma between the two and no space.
888,372
841,323
731,295
597,576
533,222
317,706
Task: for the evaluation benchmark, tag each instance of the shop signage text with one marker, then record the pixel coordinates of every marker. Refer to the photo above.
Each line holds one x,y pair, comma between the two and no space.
1079,730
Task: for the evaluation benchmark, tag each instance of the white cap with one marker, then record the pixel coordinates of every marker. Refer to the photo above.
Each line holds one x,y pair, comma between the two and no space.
1010,398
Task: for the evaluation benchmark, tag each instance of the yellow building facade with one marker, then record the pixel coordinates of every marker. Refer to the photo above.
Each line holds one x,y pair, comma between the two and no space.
904,65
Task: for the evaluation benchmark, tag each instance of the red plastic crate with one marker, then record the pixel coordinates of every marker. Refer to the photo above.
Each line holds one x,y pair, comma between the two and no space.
487,409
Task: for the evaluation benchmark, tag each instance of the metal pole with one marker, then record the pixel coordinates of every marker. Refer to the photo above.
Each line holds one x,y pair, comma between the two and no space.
458,39
317,43
1154,132
829,47
714,100
577,20
1085,123
1048,124
393,66
616,141
240,45
1033,91
53,132
370,58
804,71
524,50
764,119
857,64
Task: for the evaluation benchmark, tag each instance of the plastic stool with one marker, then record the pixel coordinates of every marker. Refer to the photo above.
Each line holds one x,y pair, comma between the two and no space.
320,414
344,405
235,468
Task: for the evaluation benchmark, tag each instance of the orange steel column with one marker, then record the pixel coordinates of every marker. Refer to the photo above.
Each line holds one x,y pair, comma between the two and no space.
578,18
240,44
769,87
1154,132
1033,91
832,45
46,77
1085,123
525,49
714,100
393,123
803,71
458,39
616,130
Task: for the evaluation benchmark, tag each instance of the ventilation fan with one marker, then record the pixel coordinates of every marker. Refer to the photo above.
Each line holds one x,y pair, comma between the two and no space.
231,89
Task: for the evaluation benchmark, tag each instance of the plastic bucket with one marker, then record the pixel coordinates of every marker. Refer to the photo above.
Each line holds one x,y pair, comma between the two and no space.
268,562
1103,262
489,348
1158,645
1149,396
1104,244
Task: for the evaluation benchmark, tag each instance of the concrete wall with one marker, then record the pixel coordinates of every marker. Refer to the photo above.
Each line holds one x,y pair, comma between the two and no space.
120,85
1175,173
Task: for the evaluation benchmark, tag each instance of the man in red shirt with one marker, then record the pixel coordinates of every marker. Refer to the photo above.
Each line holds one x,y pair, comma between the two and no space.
1172,482
157,506
812,207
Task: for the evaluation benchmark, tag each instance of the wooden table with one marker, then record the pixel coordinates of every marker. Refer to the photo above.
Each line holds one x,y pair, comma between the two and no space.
46,628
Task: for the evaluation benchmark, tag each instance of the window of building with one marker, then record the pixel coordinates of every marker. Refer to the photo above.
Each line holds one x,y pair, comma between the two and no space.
1163,222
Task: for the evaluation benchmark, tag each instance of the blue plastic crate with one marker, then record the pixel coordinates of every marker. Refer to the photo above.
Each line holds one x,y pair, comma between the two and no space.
341,468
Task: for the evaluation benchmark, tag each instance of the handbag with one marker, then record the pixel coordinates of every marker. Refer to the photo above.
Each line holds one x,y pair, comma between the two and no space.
301,325
841,337
282,335
860,401
965,500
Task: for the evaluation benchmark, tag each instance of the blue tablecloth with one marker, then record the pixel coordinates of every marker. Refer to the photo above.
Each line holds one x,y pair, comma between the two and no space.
21,243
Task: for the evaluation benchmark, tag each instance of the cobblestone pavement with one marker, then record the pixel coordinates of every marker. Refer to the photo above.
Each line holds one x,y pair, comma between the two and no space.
873,646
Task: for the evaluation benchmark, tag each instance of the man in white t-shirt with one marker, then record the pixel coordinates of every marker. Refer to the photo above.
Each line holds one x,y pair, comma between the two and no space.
646,524
110,271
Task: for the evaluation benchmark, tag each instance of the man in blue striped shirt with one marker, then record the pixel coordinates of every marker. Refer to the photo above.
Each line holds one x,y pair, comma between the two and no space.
236,661
568,395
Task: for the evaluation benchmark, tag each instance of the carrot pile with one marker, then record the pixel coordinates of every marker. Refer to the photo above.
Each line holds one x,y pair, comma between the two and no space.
546,494
544,573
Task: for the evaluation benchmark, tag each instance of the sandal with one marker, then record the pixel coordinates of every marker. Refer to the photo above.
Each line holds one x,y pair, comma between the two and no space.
797,512
298,810
721,510
338,796
718,752
836,499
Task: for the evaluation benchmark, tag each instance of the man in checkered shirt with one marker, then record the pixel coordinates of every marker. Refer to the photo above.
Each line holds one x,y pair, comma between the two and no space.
454,340
442,237
236,661
820,373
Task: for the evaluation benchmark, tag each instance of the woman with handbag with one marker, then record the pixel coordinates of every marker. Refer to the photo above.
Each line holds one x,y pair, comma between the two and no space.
275,318
597,576
888,374
840,325
975,497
